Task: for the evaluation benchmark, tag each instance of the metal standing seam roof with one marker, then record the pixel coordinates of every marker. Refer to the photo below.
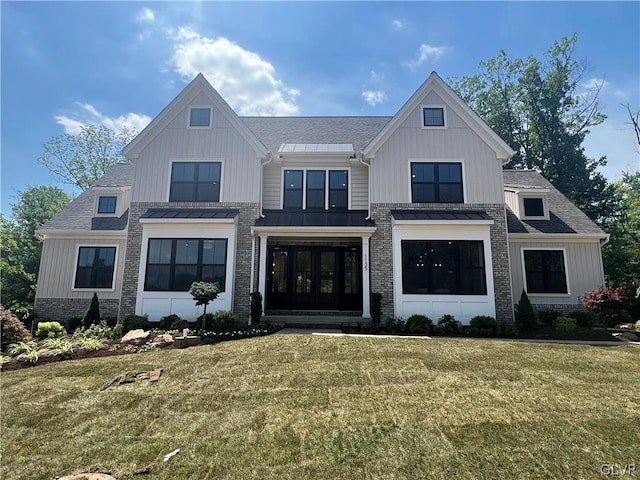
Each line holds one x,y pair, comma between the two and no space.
455,215
169,213
319,148
297,218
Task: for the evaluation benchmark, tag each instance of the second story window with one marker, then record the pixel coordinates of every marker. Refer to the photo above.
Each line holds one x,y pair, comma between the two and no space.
195,182
436,182
107,204
200,117
338,189
315,189
533,207
292,189
433,117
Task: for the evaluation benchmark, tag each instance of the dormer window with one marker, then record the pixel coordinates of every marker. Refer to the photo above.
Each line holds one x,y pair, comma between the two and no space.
528,202
107,204
200,117
533,207
433,117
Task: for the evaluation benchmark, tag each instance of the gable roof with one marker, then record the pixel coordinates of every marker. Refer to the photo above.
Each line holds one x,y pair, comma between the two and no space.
564,216
197,85
78,215
503,151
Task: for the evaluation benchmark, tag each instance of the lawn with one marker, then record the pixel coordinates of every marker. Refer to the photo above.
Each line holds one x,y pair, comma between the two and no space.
305,407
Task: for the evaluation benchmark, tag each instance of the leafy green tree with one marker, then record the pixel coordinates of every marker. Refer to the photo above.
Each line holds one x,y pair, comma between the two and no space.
540,109
204,293
81,159
21,250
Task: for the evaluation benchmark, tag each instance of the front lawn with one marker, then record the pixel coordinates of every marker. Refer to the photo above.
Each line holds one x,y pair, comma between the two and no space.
302,406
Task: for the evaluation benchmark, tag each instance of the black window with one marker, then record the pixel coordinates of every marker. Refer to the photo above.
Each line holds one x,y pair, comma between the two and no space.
293,189
545,271
338,189
436,183
107,204
95,267
200,117
315,189
174,264
443,267
195,182
533,207
433,116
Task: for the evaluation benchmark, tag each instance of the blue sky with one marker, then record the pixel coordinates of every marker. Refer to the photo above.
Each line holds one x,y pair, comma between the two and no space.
65,64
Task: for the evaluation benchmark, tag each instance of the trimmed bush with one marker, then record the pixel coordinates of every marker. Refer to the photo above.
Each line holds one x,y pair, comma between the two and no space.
448,325
221,321
72,324
485,322
525,315
547,317
638,326
204,293
50,330
565,324
169,322
376,309
133,322
13,330
417,323
508,330
608,304
100,331
92,316
583,318
255,307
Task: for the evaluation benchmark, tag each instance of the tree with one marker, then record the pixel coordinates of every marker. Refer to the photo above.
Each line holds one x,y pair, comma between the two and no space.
536,107
81,159
21,250
203,293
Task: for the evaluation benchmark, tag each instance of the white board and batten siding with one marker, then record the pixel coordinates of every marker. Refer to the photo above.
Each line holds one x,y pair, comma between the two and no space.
583,266
222,142
58,268
391,171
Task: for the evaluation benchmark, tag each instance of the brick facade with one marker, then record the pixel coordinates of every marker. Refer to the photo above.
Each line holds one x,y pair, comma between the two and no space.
61,309
242,263
382,253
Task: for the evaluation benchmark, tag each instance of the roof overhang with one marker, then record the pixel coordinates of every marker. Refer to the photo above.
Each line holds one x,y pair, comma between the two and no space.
314,231
526,189
316,149
553,237
440,217
80,234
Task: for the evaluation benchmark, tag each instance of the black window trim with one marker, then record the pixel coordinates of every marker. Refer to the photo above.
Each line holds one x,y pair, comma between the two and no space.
115,204
327,188
113,269
436,181
545,211
195,176
200,107
444,116
564,263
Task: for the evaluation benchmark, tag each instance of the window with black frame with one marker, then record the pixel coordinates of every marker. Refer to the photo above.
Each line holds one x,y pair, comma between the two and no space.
315,189
545,271
292,196
95,267
195,182
433,182
338,189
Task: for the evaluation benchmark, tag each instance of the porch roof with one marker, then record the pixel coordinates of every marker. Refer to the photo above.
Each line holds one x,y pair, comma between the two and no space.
301,218
168,213
460,215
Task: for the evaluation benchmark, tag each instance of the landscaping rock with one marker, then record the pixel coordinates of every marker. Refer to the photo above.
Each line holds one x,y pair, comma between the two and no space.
632,337
162,340
184,342
136,337
625,326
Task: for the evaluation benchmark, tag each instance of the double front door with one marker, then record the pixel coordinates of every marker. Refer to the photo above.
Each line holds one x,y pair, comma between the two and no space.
314,278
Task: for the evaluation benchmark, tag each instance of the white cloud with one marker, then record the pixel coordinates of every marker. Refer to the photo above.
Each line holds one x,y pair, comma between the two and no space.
595,83
145,15
397,24
87,114
376,77
374,97
245,80
427,53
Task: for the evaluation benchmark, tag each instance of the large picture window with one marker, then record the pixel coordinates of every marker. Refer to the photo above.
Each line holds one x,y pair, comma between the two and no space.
545,271
174,264
95,267
433,182
195,182
443,267
309,189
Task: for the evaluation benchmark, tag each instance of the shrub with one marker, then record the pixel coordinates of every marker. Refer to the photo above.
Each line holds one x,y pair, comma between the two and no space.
547,317
417,323
255,307
394,324
484,322
133,322
169,322
638,326
376,309
72,324
50,330
101,331
220,321
525,315
13,330
92,316
606,303
448,325
583,318
508,330
565,324
204,293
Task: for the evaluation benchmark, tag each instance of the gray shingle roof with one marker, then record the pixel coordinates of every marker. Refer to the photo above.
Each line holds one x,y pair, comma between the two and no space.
274,131
78,215
564,216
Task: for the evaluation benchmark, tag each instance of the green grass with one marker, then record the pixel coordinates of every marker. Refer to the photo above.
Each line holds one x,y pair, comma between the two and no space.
304,407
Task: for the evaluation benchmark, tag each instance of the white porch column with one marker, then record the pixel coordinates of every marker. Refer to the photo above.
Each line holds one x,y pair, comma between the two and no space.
262,270
366,288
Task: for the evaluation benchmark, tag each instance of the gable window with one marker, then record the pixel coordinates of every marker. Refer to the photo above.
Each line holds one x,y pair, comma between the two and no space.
315,189
195,182
174,264
533,207
545,271
95,267
338,193
292,189
436,182
433,116
199,117
107,204
443,267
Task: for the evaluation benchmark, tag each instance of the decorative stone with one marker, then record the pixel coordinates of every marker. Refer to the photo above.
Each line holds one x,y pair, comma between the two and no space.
184,342
625,326
162,340
136,337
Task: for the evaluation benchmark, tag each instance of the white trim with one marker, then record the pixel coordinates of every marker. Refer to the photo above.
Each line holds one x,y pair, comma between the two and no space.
545,206
326,185
536,190
187,220
80,234
554,237
97,205
566,272
314,231
202,127
411,223
75,268
195,160
434,127
438,160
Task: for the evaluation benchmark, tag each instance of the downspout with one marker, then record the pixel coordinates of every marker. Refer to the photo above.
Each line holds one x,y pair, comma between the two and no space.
262,164
360,159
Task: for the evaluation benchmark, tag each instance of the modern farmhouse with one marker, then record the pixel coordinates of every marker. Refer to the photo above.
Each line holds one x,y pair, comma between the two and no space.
316,213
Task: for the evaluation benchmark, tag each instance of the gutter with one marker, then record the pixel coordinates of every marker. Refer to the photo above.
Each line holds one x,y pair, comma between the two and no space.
361,160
